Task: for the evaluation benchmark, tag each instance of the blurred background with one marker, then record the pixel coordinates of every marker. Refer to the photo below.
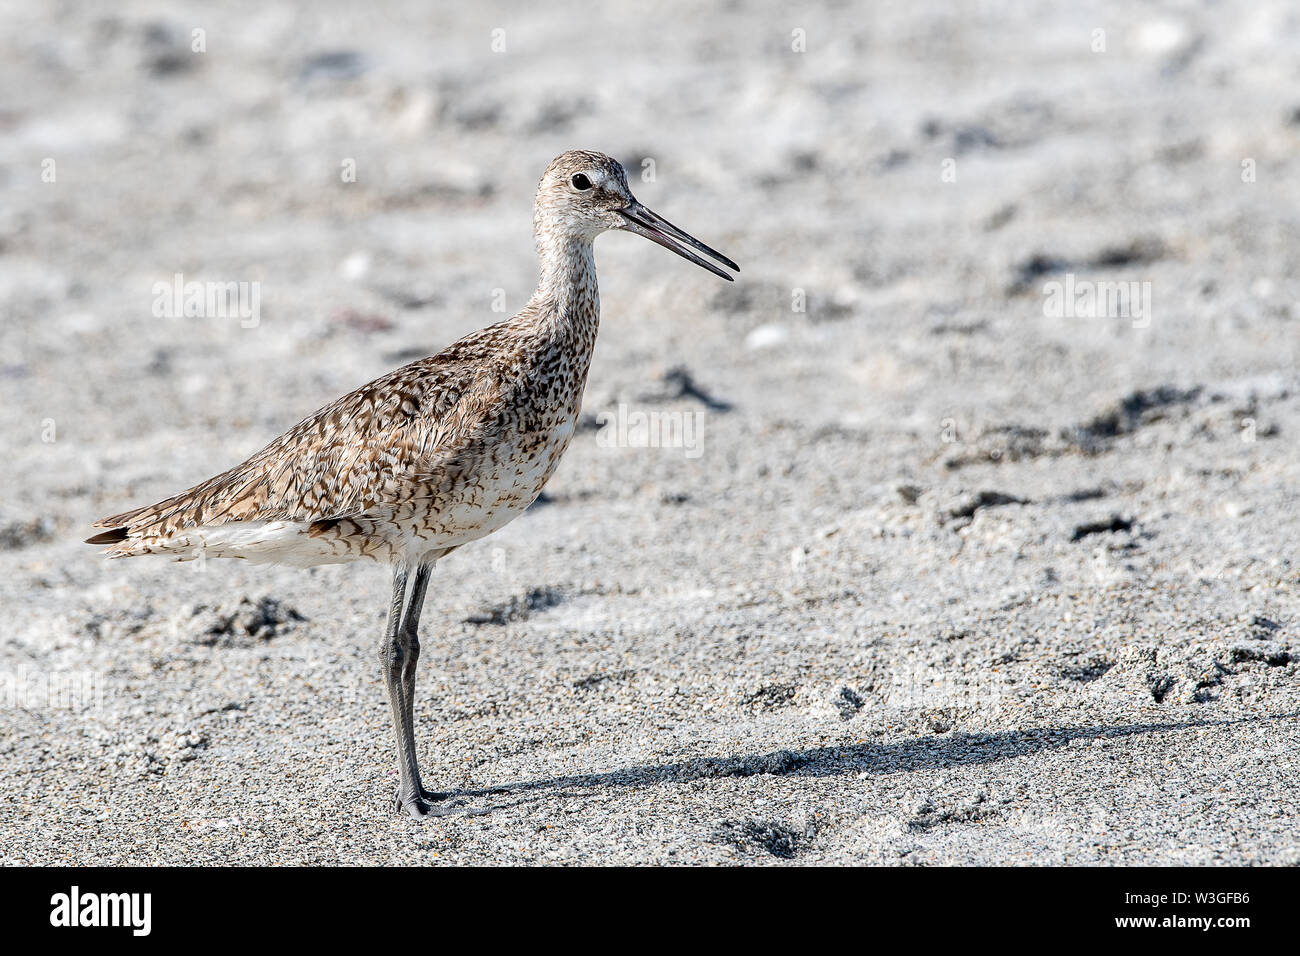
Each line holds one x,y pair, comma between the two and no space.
931,492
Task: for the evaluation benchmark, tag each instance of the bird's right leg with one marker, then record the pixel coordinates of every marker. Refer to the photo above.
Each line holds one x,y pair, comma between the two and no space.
394,654
411,645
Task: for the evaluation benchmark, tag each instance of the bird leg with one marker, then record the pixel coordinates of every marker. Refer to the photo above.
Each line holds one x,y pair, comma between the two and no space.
398,655
411,644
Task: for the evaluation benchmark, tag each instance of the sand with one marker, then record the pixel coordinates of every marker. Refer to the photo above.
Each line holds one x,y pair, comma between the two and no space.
941,564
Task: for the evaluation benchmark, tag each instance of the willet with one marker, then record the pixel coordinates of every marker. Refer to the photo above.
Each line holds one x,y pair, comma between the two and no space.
433,455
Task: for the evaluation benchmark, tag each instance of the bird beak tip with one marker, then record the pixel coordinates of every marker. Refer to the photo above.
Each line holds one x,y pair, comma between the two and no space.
654,227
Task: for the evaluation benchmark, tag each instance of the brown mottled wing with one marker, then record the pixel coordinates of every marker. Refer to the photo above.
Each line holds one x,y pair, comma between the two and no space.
364,452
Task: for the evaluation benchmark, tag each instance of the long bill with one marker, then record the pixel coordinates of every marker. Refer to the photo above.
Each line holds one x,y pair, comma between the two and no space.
657,229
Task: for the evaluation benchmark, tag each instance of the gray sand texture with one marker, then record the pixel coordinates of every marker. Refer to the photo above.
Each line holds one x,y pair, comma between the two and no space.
960,530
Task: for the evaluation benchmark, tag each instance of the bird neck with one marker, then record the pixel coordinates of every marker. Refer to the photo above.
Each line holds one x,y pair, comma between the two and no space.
568,280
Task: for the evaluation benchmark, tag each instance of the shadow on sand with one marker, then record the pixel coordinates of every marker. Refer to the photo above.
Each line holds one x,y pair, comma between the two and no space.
922,753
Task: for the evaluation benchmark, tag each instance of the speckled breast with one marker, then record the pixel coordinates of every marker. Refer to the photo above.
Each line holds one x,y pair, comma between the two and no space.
501,486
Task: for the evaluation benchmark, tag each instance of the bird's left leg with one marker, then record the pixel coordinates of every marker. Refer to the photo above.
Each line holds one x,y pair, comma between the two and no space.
410,638
394,653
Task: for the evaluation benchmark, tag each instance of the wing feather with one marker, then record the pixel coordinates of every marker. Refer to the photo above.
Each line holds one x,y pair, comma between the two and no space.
371,449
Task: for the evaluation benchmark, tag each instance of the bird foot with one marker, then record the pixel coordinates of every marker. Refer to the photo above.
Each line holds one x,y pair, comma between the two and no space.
414,807
419,805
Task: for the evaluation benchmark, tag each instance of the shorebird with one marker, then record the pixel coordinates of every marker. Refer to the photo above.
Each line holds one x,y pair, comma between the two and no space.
433,455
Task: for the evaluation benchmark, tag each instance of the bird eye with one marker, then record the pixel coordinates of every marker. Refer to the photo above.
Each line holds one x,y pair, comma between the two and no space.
580,181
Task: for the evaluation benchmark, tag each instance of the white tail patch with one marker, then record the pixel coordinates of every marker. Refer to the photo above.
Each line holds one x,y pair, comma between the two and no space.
261,542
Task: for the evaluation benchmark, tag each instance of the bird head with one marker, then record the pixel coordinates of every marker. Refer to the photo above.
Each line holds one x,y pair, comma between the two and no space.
584,193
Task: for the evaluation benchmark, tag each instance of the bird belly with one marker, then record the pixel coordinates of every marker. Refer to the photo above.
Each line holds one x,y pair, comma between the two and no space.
503,487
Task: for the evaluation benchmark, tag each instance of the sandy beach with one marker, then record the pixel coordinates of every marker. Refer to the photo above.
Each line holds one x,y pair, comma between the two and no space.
959,530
